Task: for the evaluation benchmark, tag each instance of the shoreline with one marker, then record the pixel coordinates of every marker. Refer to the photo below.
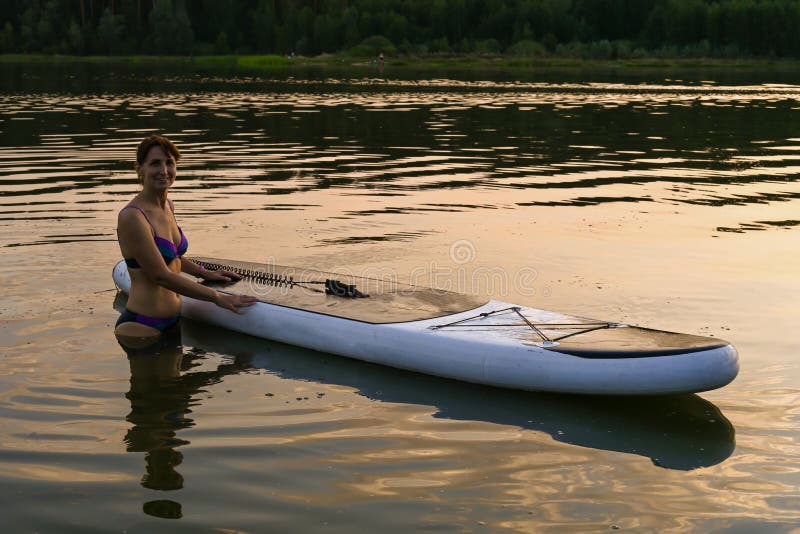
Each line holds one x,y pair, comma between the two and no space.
495,63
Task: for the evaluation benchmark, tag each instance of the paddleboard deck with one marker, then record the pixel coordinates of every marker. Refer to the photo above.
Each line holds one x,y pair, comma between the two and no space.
384,301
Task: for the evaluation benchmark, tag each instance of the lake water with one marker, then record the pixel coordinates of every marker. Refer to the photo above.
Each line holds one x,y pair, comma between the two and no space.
666,201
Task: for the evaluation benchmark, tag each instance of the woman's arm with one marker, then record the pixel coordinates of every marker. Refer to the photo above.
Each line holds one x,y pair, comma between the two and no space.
191,268
136,240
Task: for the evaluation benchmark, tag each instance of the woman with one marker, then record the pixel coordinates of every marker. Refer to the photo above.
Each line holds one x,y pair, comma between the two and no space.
153,246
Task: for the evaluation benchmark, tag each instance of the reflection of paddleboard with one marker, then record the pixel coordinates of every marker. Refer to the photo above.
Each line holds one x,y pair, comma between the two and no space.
461,337
676,432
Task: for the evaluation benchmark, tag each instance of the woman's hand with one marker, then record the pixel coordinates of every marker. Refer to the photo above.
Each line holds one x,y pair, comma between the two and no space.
234,302
220,276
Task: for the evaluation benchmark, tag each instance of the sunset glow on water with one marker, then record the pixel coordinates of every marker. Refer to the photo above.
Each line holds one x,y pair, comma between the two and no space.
670,204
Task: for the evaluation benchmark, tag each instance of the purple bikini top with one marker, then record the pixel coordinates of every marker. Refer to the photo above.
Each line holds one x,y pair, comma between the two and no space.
165,246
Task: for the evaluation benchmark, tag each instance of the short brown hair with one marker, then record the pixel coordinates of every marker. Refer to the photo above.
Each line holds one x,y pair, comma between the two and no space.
156,140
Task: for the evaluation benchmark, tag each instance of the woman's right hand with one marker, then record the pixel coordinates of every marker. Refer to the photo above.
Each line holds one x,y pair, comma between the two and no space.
234,302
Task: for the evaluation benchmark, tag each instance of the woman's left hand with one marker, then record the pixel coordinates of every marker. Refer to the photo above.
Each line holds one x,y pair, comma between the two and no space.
220,276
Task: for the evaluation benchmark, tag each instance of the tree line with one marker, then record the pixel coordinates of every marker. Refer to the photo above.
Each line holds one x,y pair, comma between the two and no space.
602,29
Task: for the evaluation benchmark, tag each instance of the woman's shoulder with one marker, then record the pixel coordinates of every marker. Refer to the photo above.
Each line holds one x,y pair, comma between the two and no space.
131,214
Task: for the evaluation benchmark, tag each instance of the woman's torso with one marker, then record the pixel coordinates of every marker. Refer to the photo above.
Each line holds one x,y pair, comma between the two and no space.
146,297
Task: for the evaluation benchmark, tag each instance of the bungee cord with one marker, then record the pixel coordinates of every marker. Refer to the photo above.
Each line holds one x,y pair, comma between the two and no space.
537,328
332,287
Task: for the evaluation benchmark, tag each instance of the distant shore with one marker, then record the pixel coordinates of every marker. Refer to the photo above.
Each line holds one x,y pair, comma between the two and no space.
499,63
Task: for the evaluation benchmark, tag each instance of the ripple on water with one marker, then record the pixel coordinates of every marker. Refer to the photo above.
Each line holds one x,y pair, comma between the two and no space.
604,185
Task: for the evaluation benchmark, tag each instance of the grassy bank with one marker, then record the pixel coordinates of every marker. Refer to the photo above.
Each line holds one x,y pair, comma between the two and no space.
434,62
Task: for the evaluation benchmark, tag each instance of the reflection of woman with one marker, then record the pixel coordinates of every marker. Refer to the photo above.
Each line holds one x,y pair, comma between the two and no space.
159,404
162,393
153,247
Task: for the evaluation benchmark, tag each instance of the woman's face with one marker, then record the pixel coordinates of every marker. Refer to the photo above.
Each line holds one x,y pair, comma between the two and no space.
158,170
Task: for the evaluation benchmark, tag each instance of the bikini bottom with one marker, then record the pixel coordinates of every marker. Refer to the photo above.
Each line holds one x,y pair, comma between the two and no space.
159,323
169,340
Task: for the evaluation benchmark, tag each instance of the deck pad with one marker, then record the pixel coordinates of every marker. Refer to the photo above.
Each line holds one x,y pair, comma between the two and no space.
389,301
633,342
581,336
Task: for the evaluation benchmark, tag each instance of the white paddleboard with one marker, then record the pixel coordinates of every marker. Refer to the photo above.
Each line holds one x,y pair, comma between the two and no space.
459,336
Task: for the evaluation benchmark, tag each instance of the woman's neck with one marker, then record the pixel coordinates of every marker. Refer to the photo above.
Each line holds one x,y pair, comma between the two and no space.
154,198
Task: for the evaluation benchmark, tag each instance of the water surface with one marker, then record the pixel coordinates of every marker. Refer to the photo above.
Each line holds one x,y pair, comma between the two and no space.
669,203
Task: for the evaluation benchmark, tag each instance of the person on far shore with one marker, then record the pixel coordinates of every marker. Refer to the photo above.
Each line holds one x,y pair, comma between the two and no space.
153,246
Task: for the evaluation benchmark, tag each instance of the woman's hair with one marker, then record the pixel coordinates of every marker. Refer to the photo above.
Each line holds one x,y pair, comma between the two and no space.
156,140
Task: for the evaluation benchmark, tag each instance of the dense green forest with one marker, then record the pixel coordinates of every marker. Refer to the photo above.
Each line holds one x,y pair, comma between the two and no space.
600,29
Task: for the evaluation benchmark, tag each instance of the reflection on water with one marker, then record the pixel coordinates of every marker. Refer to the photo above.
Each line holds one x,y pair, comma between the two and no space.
159,407
168,384
163,390
677,432
669,203
393,149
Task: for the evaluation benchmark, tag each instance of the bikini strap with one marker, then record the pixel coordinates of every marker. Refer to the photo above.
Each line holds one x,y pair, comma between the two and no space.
146,218
172,209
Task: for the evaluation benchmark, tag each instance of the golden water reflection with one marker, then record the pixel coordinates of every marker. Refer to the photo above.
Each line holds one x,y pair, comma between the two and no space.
672,206
442,426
